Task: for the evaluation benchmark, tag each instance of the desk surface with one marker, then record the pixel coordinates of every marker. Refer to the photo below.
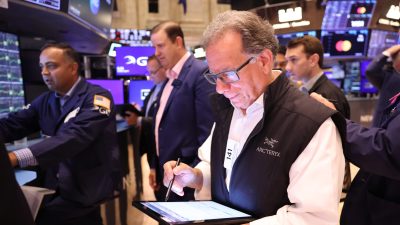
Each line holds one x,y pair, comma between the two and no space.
24,176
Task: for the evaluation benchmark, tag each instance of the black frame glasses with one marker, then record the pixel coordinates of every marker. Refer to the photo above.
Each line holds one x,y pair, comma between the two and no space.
228,76
154,72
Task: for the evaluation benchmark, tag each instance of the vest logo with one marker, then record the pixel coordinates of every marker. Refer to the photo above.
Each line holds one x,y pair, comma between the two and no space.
270,142
268,152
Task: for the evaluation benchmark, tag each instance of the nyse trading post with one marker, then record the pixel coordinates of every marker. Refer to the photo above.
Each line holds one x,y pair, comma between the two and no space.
11,88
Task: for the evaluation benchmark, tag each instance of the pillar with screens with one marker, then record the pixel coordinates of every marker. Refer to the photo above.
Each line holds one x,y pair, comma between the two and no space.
11,85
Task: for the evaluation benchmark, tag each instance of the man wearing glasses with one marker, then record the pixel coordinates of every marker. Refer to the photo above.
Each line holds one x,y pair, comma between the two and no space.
147,144
274,153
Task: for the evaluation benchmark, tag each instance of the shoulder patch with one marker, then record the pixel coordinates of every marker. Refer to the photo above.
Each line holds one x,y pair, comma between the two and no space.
101,101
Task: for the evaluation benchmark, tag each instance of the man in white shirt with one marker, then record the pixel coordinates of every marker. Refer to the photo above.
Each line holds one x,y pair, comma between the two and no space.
274,152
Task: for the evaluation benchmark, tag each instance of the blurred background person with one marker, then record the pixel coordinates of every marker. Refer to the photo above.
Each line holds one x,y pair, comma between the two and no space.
305,61
183,117
146,123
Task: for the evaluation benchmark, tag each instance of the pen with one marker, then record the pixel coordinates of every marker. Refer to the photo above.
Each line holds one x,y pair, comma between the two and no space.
171,182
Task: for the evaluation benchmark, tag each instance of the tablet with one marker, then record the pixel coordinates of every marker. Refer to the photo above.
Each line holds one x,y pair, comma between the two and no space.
198,212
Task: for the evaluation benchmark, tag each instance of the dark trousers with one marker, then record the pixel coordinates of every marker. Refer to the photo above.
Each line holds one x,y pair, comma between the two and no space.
61,212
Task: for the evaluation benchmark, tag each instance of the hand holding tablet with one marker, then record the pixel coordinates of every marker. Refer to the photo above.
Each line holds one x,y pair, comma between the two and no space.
194,212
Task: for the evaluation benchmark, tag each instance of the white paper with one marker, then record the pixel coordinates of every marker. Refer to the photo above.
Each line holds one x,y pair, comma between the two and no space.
34,196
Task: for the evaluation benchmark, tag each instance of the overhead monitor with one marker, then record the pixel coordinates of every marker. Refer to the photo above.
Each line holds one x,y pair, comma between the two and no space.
132,61
96,13
111,50
53,4
138,91
131,37
285,38
115,87
11,91
381,40
294,16
345,43
386,15
365,85
347,14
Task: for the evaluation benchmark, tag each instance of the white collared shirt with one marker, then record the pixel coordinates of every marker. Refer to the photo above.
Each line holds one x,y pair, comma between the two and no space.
310,83
238,134
316,177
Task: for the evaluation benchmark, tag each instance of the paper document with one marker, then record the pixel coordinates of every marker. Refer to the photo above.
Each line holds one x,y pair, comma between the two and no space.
34,196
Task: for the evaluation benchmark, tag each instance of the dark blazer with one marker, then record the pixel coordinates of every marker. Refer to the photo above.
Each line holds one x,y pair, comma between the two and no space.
328,90
374,196
187,119
80,157
14,209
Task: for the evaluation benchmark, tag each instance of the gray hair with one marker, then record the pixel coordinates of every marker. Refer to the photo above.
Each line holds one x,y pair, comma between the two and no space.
256,33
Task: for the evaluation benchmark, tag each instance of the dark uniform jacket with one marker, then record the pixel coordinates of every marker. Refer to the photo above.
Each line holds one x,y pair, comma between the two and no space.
80,155
260,175
374,196
328,90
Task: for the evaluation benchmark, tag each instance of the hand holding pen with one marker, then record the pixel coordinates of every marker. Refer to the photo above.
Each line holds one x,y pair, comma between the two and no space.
180,175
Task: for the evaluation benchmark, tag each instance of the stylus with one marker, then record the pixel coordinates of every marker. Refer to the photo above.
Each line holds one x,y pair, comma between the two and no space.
171,182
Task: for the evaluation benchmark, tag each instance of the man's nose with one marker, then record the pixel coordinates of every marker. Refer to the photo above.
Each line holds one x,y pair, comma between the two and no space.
221,86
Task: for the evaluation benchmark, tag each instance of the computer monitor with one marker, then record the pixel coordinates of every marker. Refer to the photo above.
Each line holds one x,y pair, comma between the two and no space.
365,85
115,87
347,14
53,4
95,13
345,43
351,82
132,61
285,38
138,91
381,40
11,91
111,51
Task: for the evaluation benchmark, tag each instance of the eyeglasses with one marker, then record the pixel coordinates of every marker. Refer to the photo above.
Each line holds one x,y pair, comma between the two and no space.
154,72
227,77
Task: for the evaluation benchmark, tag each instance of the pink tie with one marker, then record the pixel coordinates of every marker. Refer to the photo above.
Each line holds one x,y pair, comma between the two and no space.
394,98
163,102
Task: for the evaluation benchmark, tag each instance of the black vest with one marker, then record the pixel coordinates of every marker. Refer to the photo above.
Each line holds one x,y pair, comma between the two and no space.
260,175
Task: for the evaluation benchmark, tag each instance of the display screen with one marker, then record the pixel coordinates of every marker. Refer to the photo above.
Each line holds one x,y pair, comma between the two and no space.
111,50
382,40
115,87
345,43
351,82
138,91
285,38
193,211
365,85
11,86
96,13
131,37
131,61
53,4
347,14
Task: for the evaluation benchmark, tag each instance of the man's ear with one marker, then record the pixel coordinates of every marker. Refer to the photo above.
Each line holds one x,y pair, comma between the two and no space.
314,59
179,41
266,58
74,68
